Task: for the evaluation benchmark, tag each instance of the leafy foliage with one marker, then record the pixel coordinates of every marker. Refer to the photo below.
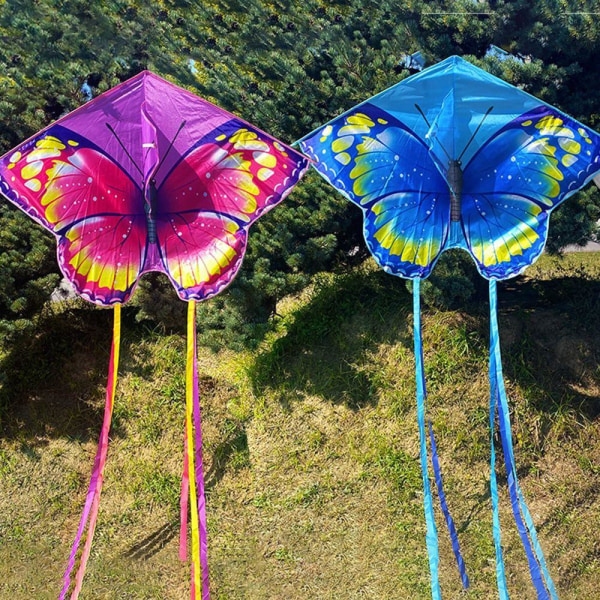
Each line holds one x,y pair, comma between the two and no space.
287,67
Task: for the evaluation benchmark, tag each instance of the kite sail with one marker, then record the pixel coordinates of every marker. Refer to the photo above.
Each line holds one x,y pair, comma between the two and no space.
149,177
454,157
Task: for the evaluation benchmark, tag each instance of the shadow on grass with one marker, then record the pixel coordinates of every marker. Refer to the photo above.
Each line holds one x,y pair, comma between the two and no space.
329,337
230,454
51,381
153,543
549,331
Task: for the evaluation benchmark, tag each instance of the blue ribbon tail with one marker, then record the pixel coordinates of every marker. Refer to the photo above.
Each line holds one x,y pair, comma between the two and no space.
431,535
500,571
540,576
444,504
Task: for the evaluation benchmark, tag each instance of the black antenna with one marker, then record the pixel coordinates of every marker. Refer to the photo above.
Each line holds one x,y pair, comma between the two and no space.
489,110
435,136
125,149
162,160
422,114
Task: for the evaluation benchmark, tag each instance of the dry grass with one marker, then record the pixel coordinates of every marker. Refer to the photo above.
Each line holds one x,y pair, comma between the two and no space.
311,448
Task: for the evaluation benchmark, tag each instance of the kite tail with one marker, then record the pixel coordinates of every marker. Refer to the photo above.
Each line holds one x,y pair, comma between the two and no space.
500,571
540,576
431,537
185,494
90,510
200,584
444,504
422,398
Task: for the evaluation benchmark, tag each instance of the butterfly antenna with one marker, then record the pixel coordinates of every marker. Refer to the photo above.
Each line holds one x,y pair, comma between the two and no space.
162,160
489,110
422,114
435,136
110,128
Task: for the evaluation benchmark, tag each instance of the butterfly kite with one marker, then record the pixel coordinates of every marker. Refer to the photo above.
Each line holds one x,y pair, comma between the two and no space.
149,177
453,157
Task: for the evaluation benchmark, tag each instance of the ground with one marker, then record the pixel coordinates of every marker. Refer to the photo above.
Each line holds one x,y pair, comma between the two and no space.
311,446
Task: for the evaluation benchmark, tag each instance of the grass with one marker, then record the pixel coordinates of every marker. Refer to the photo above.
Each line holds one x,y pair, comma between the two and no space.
311,446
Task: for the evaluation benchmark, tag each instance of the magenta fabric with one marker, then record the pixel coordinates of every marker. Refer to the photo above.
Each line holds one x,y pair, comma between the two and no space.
202,527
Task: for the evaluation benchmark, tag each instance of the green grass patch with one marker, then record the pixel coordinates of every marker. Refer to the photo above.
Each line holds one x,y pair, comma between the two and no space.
311,446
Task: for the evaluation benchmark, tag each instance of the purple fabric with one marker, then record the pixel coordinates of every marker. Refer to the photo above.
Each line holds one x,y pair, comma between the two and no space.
172,181
183,504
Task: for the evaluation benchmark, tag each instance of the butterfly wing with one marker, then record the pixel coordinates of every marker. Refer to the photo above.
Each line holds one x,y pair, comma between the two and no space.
515,180
69,186
208,201
383,167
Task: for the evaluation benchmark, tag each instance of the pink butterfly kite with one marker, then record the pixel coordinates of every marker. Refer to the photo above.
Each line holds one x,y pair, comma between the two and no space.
149,177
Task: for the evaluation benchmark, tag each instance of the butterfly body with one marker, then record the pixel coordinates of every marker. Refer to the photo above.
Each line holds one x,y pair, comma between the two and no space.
455,185
151,207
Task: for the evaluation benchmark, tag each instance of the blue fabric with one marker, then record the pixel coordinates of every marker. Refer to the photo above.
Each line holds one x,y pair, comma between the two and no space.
540,575
431,537
500,571
508,159
449,520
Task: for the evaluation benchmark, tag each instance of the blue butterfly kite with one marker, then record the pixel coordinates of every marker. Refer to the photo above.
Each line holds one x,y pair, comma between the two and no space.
455,158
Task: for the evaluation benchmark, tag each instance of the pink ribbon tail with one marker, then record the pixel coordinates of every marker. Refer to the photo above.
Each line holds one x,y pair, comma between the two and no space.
90,510
185,493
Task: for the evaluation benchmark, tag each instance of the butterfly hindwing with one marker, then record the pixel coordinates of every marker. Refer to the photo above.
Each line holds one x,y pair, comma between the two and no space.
210,198
515,180
381,165
72,188
201,251
103,256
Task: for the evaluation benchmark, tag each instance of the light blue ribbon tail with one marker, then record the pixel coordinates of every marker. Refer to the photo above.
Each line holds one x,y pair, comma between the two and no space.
444,504
500,572
431,537
540,576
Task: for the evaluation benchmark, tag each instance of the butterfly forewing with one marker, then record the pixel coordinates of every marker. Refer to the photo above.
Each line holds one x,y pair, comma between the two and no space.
72,188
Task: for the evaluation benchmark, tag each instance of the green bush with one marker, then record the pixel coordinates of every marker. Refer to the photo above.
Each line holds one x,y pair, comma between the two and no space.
288,68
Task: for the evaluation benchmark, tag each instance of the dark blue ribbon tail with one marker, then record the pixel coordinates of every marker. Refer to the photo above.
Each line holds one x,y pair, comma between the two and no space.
540,576
444,504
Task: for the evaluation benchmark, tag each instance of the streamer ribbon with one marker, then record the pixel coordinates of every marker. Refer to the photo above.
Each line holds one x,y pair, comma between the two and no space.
90,510
540,575
185,493
200,582
431,537
446,511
